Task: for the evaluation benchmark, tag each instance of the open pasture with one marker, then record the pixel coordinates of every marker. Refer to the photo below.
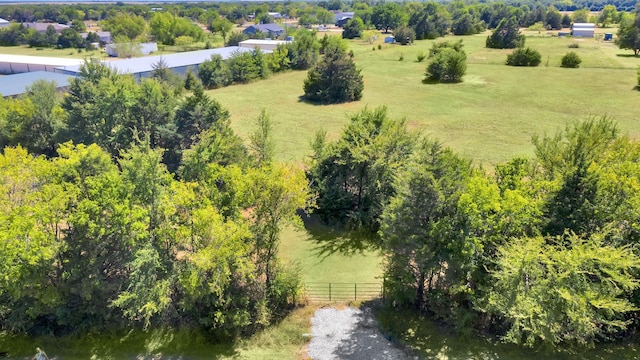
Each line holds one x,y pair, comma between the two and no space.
489,117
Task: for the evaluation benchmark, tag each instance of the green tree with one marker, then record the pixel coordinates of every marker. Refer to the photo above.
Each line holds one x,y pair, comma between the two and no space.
78,26
608,15
334,79
223,26
629,33
581,15
214,73
353,28
123,24
566,290
404,35
387,16
304,50
432,22
506,35
262,144
353,176
69,38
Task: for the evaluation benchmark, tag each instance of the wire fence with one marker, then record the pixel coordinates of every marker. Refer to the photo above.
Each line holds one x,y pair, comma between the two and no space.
321,292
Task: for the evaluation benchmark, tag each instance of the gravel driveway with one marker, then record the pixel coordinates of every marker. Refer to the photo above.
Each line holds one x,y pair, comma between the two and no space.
349,334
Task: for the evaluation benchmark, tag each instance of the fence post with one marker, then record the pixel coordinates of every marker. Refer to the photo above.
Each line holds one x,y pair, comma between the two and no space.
329,291
355,291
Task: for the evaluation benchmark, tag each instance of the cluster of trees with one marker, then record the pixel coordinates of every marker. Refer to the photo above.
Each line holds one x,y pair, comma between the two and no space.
541,251
155,214
448,62
18,34
242,67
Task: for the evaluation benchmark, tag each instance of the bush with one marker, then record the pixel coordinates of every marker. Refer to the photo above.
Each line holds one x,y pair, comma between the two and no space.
570,60
448,65
421,56
404,35
214,73
574,45
235,37
524,57
353,28
401,58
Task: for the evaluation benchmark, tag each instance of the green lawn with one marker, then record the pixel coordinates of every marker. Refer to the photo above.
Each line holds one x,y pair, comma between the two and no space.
489,117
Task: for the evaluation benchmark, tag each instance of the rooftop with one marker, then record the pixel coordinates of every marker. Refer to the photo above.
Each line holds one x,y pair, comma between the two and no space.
147,64
39,60
12,85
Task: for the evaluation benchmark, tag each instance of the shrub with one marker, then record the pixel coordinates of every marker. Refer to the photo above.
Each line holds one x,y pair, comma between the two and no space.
524,57
353,28
638,87
379,46
574,45
421,56
401,57
214,73
448,65
570,60
404,35
235,37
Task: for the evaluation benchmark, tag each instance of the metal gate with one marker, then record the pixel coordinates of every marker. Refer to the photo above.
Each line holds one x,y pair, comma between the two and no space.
318,292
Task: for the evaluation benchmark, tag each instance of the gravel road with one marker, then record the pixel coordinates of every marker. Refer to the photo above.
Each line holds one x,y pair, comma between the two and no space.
349,334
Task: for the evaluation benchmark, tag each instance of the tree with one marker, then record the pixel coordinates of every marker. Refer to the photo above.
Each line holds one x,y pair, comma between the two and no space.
69,38
629,33
214,73
123,24
567,289
353,28
416,227
553,19
324,16
387,16
353,176
125,48
432,22
38,132
78,26
608,15
506,35
447,64
524,57
261,140
223,26
334,79
581,15
304,50
404,35
466,24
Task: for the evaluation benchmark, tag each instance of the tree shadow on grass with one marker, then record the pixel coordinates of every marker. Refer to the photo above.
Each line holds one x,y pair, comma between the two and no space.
429,81
303,99
627,55
332,238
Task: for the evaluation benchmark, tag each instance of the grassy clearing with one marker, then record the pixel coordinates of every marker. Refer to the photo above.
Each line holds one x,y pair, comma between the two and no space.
52,52
284,340
490,117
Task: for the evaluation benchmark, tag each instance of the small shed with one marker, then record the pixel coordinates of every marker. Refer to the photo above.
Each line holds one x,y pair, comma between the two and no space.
583,29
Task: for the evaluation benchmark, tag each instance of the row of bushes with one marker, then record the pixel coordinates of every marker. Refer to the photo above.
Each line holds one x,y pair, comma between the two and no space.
531,57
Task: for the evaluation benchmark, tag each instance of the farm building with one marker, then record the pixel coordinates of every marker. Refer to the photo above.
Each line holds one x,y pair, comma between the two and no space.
341,18
143,66
42,27
583,29
4,23
105,36
272,30
16,84
13,64
262,44
145,48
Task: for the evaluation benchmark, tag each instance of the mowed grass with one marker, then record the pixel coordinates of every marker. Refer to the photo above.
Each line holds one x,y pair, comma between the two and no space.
490,117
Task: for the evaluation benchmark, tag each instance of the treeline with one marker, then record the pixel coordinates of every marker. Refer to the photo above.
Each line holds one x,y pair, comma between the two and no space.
540,251
155,214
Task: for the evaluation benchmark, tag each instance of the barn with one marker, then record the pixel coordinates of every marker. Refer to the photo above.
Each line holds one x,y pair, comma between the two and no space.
583,29
262,44
16,84
14,64
179,63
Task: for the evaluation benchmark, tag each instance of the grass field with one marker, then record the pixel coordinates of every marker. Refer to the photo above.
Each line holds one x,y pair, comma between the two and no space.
490,117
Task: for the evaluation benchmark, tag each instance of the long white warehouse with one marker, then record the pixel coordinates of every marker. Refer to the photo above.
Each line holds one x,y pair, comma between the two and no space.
16,64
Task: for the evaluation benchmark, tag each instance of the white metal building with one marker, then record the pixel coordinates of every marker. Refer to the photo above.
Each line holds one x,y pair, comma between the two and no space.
4,23
14,64
179,63
262,44
583,29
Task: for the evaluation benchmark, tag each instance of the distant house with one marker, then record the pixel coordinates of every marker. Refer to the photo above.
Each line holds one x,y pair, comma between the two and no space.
4,23
583,29
42,27
105,36
272,30
341,18
275,15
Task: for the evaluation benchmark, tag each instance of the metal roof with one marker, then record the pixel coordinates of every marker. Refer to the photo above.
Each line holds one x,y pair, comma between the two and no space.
39,60
146,64
12,85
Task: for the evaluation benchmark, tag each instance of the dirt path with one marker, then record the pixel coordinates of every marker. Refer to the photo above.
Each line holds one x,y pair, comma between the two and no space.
349,334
